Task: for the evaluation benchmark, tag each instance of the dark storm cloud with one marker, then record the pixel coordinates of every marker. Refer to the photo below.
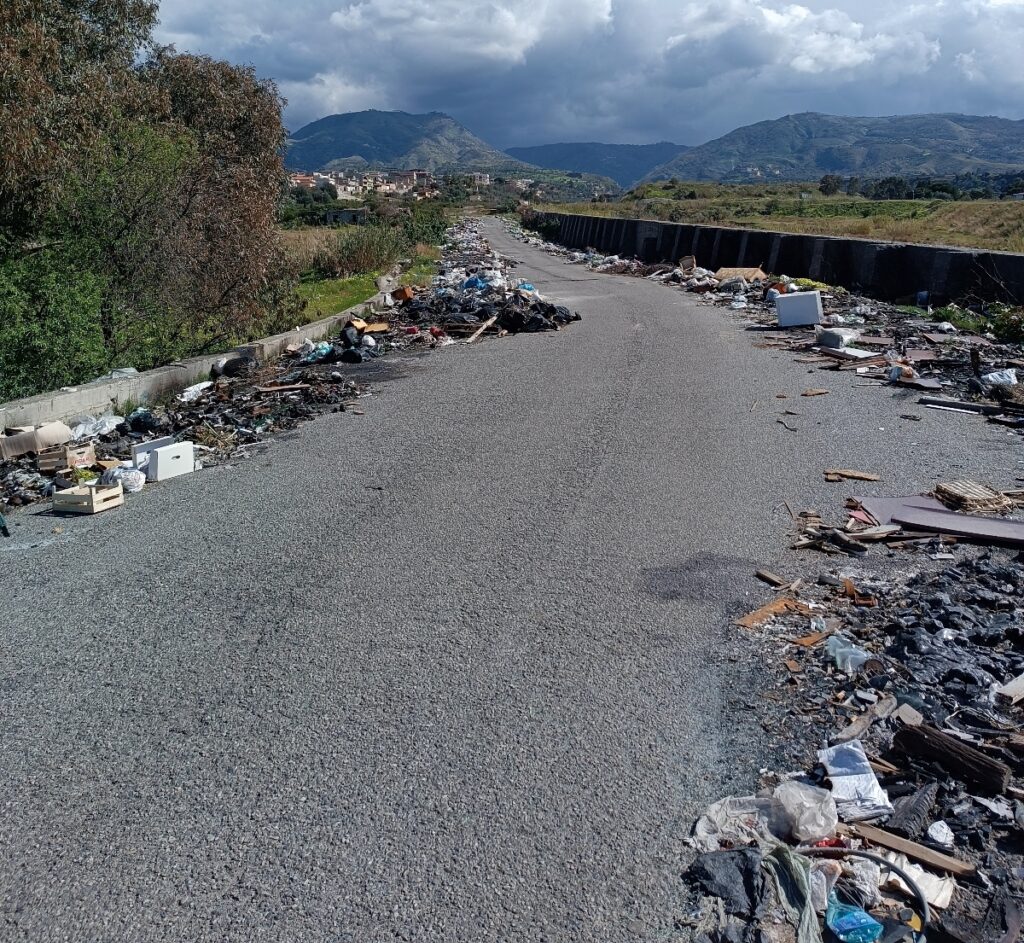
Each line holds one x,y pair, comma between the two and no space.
533,71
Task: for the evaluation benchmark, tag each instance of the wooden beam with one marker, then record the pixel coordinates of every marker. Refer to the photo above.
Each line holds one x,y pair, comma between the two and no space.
934,859
1012,691
483,327
954,756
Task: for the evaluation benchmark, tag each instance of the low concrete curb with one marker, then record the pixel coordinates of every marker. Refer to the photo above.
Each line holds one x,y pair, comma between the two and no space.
103,396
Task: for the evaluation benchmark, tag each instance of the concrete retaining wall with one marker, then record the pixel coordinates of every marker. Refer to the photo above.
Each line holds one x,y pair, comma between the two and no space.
103,397
882,270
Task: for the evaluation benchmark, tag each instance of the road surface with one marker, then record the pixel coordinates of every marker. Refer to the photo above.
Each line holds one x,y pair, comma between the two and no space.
458,669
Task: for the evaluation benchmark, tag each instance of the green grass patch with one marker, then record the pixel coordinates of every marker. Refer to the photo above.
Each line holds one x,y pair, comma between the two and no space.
326,296
423,268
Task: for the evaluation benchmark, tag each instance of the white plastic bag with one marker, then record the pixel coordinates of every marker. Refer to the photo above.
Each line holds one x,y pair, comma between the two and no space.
810,812
855,788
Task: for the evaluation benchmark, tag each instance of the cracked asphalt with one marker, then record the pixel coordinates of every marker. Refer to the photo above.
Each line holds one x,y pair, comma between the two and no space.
458,669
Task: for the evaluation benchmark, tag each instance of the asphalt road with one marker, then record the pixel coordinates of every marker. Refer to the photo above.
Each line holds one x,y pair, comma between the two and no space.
458,669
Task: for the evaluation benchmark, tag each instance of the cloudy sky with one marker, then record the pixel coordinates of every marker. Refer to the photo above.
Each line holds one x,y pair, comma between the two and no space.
628,71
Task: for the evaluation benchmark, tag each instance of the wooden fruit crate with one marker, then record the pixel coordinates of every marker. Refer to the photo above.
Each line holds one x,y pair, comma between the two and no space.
85,500
66,456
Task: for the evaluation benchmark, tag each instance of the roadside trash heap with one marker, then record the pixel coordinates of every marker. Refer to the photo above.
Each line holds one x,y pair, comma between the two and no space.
88,466
475,294
875,342
908,693
961,511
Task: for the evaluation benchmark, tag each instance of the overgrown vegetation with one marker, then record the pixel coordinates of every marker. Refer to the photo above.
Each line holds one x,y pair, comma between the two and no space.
138,197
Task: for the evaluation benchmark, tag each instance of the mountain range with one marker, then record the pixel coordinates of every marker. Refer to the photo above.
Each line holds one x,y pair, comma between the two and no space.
433,141
806,146
624,163
795,147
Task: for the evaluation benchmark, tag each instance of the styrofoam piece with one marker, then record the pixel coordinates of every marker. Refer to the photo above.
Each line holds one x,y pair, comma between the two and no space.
141,451
801,308
171,461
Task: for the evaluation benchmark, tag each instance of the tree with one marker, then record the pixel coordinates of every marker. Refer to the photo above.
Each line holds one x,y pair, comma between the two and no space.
853,186
66,72
830,184
138,195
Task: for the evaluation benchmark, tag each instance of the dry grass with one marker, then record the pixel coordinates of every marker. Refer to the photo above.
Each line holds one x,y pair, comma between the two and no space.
981,224
303,245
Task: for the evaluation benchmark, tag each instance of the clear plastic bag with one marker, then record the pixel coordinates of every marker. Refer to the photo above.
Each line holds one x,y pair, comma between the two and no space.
810,811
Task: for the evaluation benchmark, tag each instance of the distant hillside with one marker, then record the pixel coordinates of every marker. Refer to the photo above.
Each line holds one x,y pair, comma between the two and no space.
624,163
393,139
806,146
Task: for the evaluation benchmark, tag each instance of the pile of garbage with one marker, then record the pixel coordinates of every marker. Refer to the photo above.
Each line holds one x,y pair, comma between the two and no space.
876,342
907,697
246,401
475,292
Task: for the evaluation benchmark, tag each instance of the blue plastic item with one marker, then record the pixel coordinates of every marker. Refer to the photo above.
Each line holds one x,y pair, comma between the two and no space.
851,924
526,286
476,282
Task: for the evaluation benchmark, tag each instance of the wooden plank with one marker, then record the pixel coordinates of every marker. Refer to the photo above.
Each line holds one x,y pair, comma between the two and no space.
860,725
837,474
934,859
815,638
283,388
777,607
483,327
1012,691
772,579
956,757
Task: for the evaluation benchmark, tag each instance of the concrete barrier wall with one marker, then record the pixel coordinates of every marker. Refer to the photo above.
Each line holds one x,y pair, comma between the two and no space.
882,270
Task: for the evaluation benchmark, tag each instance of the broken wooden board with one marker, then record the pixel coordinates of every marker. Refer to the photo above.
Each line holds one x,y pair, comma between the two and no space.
772,579
777,607
283,388
882,509
885,839
815,392
860,725
815,638
956,757
974,340
838,474
908,716
483,327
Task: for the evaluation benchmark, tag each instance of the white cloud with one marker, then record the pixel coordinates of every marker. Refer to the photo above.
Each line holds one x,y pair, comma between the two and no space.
528,71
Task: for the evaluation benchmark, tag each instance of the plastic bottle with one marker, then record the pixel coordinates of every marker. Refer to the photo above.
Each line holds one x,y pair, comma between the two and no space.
851,924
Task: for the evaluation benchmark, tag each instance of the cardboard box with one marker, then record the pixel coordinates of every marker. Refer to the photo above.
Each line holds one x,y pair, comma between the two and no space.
38,440
170,461
799,309
88,499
